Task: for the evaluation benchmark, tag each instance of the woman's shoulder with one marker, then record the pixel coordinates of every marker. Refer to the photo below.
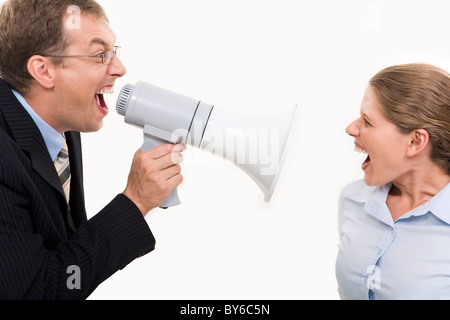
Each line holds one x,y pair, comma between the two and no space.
357,191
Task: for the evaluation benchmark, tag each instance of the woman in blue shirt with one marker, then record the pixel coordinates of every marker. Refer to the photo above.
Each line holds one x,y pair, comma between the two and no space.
394,225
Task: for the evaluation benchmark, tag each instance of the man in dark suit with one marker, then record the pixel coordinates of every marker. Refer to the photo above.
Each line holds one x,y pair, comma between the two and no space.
57,59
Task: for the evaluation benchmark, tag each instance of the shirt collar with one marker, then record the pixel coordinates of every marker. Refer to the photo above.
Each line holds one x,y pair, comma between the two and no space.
53,139
439,204
374,200
362,193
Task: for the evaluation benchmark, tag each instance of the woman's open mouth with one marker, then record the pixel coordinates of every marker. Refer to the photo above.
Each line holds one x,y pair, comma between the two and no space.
360,149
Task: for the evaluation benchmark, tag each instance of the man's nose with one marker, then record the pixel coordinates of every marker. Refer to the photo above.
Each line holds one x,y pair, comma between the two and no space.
116,68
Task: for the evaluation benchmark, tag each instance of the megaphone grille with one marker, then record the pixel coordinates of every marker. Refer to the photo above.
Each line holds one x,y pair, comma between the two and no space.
123,99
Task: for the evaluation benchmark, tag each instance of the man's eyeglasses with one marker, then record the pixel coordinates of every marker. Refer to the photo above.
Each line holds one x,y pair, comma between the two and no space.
104,57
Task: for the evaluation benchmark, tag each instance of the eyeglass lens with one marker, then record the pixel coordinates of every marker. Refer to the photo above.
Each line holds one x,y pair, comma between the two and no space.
108,55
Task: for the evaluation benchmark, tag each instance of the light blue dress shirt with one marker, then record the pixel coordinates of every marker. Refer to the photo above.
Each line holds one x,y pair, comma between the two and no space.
53,139
382,259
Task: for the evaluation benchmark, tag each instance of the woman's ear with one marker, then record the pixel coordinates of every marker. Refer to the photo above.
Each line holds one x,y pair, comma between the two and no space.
42,70
419,140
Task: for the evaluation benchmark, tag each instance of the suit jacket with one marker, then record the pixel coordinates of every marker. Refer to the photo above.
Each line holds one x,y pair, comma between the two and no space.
40,235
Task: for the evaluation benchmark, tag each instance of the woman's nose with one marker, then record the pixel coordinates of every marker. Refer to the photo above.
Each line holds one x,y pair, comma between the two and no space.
353,129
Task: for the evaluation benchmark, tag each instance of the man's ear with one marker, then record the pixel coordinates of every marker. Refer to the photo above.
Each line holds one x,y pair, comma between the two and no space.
42,70
419,140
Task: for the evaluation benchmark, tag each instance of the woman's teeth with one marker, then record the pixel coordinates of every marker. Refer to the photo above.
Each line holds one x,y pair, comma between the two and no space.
106,91
360,150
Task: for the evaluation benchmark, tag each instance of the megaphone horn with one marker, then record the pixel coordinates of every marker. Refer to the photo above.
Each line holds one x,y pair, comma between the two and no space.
257,144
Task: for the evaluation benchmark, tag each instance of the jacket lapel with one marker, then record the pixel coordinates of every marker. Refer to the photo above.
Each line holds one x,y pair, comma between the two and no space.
28,137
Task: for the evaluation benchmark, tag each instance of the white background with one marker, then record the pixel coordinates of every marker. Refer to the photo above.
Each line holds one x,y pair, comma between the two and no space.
254,56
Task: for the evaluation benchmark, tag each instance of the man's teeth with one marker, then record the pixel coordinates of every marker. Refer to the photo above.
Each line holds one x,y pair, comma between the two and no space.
360,150
106,91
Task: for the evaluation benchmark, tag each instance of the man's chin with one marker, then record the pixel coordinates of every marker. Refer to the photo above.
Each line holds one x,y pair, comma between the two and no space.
92,127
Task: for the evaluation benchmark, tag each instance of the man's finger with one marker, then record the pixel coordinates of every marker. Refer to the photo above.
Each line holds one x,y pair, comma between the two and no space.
160,151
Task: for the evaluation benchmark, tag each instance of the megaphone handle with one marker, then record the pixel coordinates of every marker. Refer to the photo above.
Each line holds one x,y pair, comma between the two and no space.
149,143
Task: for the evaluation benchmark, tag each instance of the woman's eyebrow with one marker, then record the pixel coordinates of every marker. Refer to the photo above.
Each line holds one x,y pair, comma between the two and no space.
365,116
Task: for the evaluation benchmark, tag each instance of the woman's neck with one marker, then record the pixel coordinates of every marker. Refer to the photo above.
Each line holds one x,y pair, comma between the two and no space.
415,188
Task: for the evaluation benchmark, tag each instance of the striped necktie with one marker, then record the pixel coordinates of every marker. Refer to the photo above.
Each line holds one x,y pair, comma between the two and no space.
62,166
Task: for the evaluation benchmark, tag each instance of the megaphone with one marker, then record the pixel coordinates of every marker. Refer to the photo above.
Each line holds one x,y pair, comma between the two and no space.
257,144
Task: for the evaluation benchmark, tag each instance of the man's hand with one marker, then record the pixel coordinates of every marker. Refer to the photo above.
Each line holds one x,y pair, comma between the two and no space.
154,175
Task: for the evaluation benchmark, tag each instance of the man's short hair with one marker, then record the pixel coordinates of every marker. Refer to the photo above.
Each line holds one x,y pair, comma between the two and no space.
36,27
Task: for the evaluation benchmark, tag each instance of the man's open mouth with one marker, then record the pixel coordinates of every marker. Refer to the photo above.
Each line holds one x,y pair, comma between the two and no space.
100,98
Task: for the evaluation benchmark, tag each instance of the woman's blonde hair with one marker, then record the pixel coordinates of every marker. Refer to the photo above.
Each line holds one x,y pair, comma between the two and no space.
417,96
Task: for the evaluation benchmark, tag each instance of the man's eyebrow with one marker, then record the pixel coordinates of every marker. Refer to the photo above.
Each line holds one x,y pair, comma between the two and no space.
98,41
